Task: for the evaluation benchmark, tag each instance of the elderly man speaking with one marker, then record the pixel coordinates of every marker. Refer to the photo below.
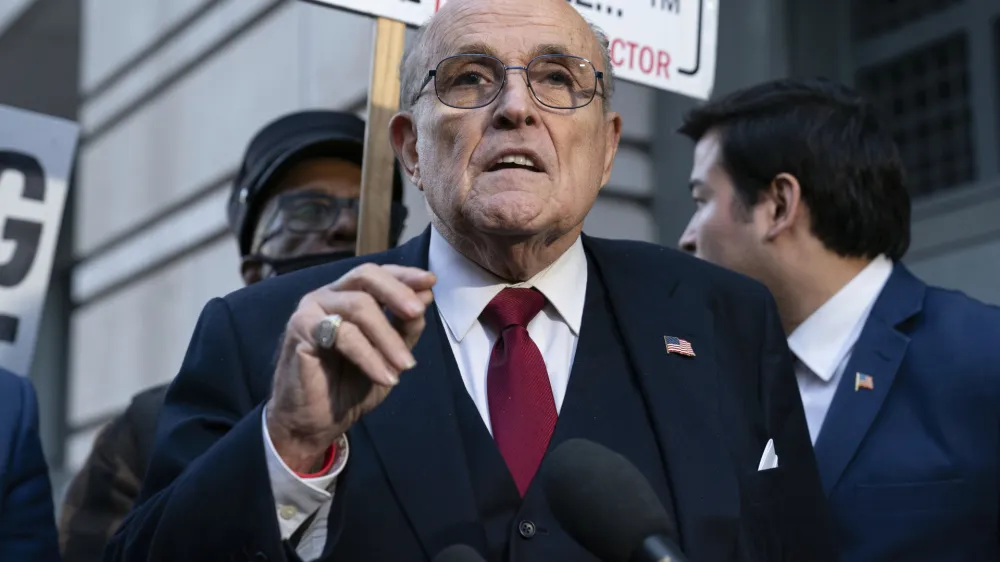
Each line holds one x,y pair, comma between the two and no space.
384,408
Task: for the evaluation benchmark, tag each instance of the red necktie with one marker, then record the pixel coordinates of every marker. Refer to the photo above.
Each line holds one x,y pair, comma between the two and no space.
522,410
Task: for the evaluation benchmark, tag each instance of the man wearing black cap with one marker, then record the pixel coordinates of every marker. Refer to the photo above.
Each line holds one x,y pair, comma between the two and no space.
294,204
299,176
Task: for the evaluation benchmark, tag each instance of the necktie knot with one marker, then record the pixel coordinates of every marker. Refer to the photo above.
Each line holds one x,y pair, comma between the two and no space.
513,307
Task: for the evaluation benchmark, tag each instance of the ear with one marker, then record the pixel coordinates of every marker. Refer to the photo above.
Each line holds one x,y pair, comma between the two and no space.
613,135
403,136
786,207
252,270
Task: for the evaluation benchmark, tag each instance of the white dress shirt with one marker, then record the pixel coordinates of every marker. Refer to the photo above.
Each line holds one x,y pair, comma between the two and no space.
823,344
462,292
297,498
464,289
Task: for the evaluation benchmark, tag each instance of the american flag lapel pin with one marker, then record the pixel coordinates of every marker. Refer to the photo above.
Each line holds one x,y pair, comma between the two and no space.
678,346
862,380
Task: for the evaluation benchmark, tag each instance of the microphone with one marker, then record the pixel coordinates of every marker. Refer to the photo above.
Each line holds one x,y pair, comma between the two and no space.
458,553
606,505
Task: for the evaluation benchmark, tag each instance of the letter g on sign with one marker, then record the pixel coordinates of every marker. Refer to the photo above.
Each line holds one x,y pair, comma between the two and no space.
25,235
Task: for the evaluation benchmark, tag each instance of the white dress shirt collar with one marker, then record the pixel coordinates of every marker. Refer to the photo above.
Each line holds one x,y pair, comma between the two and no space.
464,288
829,334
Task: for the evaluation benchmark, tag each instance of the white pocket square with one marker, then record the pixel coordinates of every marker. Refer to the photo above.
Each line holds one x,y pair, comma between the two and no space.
769,459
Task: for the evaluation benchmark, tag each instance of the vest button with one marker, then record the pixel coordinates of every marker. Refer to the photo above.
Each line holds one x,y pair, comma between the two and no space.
526,528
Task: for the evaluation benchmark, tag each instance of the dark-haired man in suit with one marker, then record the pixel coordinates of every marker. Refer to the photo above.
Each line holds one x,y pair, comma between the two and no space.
798,184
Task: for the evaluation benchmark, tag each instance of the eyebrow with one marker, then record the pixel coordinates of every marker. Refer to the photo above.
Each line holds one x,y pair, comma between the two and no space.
474,49
484,49
551,49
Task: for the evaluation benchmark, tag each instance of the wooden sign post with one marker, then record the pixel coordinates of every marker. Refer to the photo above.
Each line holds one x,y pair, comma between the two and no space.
378,169
392,18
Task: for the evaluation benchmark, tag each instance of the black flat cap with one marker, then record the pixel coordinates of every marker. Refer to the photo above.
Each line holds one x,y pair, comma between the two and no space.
284,142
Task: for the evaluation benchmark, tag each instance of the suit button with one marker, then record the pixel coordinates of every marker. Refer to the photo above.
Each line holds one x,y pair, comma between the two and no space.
526,528
259,557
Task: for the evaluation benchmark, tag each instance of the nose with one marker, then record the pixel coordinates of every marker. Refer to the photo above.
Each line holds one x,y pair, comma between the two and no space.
687,241
344,229
515,107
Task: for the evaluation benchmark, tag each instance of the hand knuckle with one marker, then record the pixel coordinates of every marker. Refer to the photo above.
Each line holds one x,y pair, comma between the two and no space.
300,317
369,300
307,301
366,269
359,303
346,334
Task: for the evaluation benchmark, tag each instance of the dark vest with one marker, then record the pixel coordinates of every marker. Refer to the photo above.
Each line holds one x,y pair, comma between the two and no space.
603,403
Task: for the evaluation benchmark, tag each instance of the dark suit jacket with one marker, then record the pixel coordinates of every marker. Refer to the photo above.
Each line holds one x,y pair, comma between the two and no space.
104,490
912,467
27,519
406,485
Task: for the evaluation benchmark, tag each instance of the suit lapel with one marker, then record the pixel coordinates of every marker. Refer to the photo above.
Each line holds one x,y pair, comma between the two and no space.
878,353
415,435
682,396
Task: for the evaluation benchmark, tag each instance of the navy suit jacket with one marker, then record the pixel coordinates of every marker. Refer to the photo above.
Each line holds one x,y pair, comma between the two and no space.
406,492
912,467
27,517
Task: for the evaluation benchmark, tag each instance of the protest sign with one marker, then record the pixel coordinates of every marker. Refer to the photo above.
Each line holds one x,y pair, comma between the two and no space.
665,44
36,158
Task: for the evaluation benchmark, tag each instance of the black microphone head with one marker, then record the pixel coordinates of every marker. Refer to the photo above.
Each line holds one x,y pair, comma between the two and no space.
458,553
602,500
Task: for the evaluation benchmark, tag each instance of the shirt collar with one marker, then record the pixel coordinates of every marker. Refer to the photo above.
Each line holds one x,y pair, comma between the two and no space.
827,335
464,288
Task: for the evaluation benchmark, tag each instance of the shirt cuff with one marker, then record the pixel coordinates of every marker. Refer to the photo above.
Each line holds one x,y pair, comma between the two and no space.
297,498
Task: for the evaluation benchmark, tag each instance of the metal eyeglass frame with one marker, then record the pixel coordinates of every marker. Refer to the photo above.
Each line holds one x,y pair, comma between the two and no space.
431,74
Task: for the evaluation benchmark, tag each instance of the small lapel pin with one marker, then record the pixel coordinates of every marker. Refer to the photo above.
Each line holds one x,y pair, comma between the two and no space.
678,346
862,380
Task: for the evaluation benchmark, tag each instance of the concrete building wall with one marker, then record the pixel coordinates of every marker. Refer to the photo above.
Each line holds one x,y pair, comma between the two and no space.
940,70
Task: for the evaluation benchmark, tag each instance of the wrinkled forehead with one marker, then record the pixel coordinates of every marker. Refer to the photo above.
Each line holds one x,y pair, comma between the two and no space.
514,31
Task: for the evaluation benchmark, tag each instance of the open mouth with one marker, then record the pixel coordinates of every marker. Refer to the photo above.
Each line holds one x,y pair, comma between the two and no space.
515,162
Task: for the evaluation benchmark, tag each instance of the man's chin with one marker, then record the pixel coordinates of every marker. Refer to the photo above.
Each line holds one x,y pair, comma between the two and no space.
504,209
507,223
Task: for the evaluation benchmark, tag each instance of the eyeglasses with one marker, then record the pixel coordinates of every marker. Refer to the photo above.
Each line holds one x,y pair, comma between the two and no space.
472,81
306,212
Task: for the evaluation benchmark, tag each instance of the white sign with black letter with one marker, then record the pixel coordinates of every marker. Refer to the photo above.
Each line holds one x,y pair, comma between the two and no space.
666,44
410,12
36,157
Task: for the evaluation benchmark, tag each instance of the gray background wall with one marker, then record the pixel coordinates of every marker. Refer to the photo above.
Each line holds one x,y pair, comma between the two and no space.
169,91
